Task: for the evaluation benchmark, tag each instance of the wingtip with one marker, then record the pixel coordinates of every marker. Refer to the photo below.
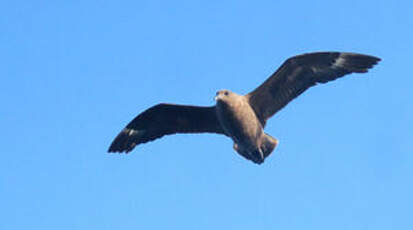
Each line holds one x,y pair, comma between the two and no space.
124,141
374,60
354,62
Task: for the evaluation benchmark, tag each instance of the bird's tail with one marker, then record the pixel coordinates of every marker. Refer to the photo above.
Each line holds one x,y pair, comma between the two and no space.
258,155
268,145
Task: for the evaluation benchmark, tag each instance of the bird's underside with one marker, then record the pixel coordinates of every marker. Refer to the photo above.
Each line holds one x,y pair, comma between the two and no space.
243,117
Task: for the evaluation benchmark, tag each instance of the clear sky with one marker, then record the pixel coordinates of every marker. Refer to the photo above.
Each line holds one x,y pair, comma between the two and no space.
74,73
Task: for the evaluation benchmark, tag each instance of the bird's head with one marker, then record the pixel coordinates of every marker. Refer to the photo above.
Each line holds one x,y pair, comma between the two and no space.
223,95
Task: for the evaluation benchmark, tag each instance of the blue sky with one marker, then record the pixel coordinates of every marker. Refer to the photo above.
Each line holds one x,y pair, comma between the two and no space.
75,72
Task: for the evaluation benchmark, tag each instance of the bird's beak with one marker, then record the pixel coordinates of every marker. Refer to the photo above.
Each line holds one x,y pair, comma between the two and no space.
215,98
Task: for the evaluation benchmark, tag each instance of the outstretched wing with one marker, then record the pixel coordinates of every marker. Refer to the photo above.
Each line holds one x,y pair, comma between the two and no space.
164,119
299,73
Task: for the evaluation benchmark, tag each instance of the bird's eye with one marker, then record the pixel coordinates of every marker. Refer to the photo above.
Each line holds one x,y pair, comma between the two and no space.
226,93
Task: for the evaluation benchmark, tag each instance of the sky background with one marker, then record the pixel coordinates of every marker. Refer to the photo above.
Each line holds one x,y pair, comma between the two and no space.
74,73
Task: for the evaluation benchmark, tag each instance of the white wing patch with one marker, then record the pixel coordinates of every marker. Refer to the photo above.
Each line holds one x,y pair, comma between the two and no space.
133,132
340,61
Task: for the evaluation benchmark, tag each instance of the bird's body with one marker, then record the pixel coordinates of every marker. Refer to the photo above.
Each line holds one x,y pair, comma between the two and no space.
243,117
243,127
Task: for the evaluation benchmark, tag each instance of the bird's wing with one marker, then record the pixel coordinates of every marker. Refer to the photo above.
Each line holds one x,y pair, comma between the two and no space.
164,119
299,73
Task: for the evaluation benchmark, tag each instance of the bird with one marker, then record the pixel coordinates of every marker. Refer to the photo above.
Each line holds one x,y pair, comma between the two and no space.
243,117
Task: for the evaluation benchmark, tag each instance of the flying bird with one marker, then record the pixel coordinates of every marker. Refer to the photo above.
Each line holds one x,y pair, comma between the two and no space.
243,117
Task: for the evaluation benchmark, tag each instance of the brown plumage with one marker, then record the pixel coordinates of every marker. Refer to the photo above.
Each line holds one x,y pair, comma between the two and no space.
242,118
